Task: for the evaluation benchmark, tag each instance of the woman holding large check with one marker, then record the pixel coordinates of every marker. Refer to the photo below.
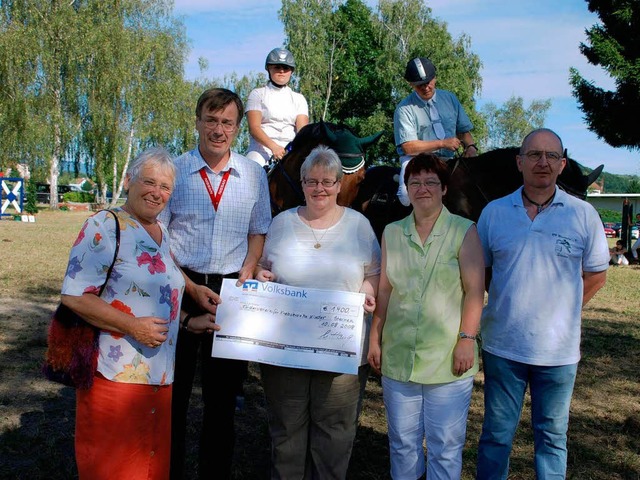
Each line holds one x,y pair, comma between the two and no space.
423,336
313,414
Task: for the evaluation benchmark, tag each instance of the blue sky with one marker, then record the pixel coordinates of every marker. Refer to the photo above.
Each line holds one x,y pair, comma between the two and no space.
526,47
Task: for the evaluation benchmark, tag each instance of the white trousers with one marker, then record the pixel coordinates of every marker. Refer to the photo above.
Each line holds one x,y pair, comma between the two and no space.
261,157
403,195
437,413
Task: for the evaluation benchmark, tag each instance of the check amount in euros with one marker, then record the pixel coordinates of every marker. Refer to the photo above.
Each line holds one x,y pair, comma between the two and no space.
341,316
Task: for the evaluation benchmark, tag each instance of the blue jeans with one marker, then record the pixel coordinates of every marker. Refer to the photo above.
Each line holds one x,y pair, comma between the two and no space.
505,384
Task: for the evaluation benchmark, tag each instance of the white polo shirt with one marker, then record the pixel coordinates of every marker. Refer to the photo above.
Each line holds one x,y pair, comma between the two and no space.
534,310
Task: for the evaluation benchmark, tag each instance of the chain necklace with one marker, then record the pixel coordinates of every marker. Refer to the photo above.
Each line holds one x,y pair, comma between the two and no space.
541,206
318,243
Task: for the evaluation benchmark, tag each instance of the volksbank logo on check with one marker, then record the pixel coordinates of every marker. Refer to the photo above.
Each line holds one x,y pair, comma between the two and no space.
254,286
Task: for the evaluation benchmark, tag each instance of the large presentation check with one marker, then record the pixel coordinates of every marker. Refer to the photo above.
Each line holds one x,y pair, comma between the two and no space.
290,326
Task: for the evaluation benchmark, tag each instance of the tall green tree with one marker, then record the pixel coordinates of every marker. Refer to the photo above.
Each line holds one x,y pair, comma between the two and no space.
613,45
361,96
16,71
134,80
41,37
313,39
94,81
351,60
356,79
508,124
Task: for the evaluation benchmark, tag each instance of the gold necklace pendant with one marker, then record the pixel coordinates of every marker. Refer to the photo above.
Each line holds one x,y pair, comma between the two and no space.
318,245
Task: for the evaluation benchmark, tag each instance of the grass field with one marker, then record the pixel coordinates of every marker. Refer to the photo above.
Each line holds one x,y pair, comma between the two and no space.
37,417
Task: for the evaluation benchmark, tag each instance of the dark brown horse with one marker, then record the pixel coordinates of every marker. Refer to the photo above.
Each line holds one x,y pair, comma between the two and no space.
284,176
474,181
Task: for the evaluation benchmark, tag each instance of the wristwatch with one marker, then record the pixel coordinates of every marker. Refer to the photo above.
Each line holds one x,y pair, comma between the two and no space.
185,322
464,335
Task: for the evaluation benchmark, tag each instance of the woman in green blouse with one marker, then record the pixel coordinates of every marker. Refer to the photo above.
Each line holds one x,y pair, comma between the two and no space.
423,336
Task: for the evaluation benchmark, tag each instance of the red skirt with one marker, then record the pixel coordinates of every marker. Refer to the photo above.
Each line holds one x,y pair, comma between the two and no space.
123,430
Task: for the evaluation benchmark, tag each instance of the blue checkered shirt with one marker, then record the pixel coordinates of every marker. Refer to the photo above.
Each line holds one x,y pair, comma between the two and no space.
209,241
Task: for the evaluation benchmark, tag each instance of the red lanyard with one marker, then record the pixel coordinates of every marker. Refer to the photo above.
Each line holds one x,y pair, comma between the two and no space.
217,196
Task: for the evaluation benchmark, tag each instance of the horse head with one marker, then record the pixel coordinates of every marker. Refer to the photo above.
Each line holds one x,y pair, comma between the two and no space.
477,180
284,180
351,151
573,181
349,148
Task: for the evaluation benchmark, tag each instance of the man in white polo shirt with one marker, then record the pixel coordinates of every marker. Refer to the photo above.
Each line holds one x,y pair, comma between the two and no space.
546,255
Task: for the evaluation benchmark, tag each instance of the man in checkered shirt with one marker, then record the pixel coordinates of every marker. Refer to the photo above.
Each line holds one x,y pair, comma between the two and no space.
217,217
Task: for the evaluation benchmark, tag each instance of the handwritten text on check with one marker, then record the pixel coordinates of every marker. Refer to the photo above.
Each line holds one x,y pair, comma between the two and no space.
290,326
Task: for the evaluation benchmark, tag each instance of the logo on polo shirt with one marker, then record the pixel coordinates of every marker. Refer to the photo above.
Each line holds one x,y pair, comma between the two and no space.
563,247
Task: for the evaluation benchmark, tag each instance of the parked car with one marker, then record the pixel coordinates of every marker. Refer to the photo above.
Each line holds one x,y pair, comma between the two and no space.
611,226
43,195
635,232
608,231
618,228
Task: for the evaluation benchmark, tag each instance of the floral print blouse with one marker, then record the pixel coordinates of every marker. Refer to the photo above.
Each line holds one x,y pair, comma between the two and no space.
145,281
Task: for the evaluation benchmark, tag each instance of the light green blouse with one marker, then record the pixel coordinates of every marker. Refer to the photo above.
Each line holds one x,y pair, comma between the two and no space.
425,307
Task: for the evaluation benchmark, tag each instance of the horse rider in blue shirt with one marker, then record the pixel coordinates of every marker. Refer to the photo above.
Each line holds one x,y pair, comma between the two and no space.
429,120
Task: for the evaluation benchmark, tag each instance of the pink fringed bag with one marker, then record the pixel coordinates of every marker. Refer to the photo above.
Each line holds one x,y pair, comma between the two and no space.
72,343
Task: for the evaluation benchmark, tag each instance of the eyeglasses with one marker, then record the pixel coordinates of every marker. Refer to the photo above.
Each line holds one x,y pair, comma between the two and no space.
415,184
227,125
536,155
152,184
313,183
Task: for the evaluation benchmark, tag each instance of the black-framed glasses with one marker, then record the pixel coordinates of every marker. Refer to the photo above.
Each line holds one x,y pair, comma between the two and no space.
415,184
227,125
313,183
536,155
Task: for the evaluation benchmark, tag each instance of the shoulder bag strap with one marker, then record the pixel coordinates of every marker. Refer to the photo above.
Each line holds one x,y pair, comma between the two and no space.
115,254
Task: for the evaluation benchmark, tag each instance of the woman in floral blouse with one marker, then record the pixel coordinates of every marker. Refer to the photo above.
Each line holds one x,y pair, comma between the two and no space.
123,421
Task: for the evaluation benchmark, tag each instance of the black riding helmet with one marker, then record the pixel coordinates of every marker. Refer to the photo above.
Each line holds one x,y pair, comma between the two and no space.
419,70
